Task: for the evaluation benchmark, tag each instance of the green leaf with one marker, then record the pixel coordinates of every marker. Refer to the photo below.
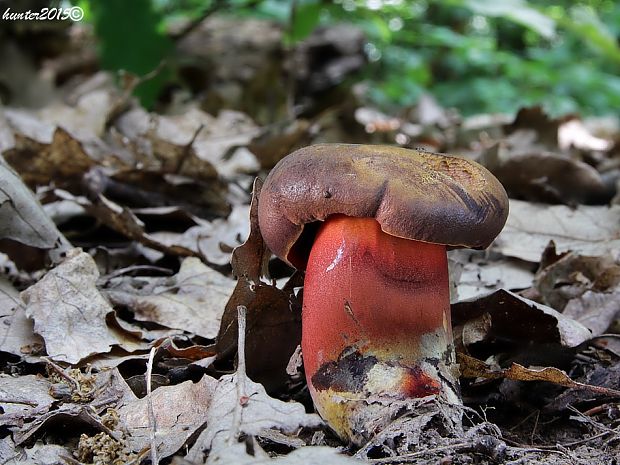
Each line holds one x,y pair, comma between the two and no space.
306,17
518,11
129,40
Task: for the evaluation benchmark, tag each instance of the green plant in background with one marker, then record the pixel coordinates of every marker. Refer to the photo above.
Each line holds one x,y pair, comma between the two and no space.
477,55
130,38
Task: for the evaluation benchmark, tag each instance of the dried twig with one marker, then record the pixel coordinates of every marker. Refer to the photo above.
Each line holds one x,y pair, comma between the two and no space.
407,457
152,419
61,372
10,400
242,398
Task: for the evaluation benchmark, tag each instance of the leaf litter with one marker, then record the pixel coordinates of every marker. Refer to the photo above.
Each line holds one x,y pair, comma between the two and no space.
137,324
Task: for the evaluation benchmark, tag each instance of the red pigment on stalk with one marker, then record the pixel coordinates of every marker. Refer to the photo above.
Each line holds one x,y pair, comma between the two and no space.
375,292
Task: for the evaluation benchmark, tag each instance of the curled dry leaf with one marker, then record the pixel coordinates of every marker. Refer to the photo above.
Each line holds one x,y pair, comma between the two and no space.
474,368
193,300
584,288
546,177
587,230
125,222
69,312
274,317
200,194
505,316
21,216
217,238
17,335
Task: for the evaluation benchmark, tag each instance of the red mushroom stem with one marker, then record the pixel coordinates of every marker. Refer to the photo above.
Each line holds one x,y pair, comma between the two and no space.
376,319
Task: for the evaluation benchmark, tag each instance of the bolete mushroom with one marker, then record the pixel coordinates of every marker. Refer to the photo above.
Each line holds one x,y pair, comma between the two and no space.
370,225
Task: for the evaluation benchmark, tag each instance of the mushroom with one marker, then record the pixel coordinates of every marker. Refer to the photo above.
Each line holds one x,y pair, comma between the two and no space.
371,225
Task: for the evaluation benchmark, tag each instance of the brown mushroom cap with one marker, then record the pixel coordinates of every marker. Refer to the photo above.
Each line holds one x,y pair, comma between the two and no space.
416,195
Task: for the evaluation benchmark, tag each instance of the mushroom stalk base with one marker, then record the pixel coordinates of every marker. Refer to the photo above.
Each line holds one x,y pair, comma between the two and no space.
376,325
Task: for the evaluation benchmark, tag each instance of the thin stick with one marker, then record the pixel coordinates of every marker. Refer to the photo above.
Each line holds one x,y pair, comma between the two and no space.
241,395
149,399
60,370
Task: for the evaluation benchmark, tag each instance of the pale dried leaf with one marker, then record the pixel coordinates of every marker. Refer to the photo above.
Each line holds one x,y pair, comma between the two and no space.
21,216
588,230
259,412
39,454
17,335
480,274
192,300
214,239
595,310
317,455
179,411
69,312
22,396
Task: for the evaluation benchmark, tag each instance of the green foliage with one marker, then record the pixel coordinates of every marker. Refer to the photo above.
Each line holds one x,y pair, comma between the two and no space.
477,55
129,39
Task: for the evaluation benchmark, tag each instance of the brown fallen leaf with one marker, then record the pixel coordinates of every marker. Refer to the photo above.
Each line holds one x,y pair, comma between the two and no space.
505,316
196,192
43,153
474,368
125,222
534,118
274,316
541,176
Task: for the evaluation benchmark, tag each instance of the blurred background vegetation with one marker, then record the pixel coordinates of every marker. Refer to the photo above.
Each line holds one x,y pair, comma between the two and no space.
480,56
477,55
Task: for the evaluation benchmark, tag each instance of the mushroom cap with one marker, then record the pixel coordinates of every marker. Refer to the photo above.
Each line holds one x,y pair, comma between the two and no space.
415,195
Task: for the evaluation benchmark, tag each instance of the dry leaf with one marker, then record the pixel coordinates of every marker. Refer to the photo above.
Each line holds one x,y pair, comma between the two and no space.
595,310
17,335
584,288
258,412
179,410
474,368
540,176
69,312
237,455
22,398
480,274
274,316
587,230
193,300
510,317
21,216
